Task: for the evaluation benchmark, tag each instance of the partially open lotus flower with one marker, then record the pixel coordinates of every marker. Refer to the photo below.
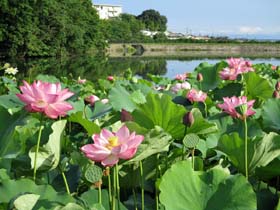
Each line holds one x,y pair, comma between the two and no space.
181,77
92,99
45,97
110,78
81,81
196,96
180,86
229,73
235,67
234,106
274,67
109,147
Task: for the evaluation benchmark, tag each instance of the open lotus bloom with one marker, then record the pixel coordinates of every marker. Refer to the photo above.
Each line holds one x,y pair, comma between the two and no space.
196,96
180,86
181,77
109,147
45,97
229,73
235,67
231,106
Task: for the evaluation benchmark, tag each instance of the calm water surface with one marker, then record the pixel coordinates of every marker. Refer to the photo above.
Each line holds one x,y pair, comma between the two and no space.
180,66
94,68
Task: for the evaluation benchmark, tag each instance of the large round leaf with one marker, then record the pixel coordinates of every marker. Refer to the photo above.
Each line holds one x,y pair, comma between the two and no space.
210,75
260,151
271,114
159,110
184,189
257,86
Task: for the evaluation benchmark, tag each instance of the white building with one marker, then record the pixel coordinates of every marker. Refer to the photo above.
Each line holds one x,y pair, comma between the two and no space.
106,11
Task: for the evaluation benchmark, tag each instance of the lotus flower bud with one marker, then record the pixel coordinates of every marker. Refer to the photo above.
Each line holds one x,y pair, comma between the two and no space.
277,86
276,94
199,77
188,119
91,99
126,116
110,78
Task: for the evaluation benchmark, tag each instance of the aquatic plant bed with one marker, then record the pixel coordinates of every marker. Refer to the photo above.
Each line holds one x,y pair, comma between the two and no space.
206,140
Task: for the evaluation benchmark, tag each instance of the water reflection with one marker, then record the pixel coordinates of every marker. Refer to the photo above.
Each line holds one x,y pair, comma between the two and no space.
89,67
97,67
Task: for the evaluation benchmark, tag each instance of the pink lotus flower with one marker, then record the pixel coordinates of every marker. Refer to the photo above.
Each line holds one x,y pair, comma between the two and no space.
46,98
110,78
180,86
196,96
239,63
81,81
229,73
181,77
109,147
235,67
104,100
231,105
92,99
274,67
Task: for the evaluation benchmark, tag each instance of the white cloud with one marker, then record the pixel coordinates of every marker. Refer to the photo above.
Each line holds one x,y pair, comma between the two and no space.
250,29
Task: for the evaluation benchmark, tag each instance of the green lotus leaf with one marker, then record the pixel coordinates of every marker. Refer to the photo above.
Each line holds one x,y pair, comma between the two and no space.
181,188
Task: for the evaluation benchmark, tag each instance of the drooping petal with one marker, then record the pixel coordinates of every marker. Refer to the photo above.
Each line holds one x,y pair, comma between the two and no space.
110,160
128,153
95,152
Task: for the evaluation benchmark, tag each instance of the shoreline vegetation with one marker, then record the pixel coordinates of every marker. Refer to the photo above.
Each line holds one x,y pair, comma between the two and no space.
194,49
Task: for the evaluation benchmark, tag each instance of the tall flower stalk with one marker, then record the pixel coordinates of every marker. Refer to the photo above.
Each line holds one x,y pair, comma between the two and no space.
239,107
108,148
142,186
37,151
246,147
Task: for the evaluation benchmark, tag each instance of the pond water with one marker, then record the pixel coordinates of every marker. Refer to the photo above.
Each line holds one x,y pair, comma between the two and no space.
94,68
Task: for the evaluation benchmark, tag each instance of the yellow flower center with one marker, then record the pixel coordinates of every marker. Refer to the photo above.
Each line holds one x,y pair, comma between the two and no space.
113,142
41,103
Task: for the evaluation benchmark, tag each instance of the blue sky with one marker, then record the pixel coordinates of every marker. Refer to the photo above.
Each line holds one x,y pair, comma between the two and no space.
246,18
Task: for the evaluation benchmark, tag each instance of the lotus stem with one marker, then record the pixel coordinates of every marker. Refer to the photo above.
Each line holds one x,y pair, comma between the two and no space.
246,147
65,183
142,186
99,194
193,149
117,184
205,109
134,199
109,185
114,190
37,151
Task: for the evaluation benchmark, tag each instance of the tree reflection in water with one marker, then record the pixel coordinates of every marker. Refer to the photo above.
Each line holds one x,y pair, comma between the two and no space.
88,67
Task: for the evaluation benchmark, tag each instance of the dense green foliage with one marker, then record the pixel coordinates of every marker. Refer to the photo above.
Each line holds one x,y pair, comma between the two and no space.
48,27
180,165
153,20
125,28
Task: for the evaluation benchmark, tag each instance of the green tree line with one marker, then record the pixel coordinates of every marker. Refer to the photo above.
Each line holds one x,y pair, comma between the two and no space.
49,27
38,28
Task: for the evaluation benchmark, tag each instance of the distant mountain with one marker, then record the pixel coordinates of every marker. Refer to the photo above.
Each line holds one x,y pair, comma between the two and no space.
270,37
